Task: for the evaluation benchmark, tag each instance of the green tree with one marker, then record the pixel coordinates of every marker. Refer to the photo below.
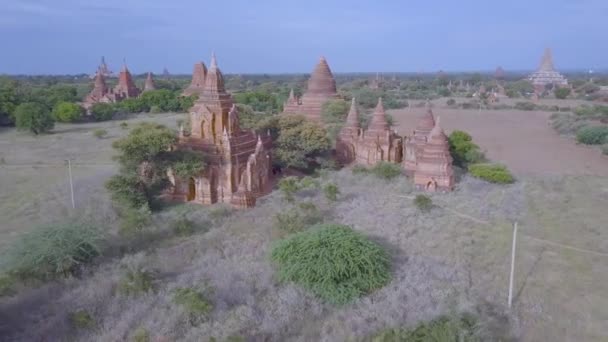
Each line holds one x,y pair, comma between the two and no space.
133,105
300,143
260,101
33,117
103,111
164,99
9,100
144,144
463,150
335,111
562,93
67,112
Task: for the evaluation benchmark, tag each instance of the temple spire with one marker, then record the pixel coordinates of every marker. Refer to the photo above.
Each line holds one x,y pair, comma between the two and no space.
378,121
546,63
213,61
352,119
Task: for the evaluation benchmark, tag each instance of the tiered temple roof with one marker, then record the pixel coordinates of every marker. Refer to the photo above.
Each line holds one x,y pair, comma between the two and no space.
321,88
368,147
238,161
100,92
126,87
199,74
546,73
149,84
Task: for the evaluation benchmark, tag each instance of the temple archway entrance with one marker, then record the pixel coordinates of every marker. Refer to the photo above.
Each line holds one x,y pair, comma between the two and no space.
203,129
431,186
191,189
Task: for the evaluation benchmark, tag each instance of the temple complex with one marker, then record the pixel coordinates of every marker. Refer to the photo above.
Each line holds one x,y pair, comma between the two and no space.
368,147
321,88
149,83
198,80
99,94
546,74
237,161
434,163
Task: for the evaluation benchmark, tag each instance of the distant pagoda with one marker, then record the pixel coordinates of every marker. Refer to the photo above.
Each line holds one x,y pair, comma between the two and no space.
125,88
546,73
321,88
197,85
102,69
149,84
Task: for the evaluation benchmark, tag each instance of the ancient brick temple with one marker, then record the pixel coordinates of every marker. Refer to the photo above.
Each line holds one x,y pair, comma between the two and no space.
125,89
368,147
198,80
99,94
321,88
237,161
149,83
546,74
414,144
434,170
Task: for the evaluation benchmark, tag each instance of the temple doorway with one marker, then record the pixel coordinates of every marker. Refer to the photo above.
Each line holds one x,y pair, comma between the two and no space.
203,129
431,186
191,189
213,127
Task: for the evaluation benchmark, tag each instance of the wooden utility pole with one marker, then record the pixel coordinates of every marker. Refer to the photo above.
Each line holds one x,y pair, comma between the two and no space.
512,264
71,183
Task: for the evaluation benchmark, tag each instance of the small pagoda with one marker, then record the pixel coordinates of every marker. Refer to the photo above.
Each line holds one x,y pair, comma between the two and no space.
321,88
199,74
237,161
434,170
416,142
546,74
149,83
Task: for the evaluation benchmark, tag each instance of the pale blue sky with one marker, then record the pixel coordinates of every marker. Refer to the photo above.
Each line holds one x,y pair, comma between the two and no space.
256,36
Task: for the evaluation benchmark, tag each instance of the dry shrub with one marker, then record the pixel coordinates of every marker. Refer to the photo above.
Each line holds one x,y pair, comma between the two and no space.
423,203
81,319
194,301
53,250
493,173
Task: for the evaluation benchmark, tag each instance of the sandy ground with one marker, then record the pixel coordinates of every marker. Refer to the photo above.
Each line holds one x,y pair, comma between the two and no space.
523,140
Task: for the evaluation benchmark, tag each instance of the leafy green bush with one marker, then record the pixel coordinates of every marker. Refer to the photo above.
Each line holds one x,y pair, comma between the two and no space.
462,328
386,170
82,319
423,203
136,281
135,220
298,218
186,164
334,111
127,190
592,135
331,191
53,250
300,143
360,169
133,105
140,335
102,111
185,227
562,93
33,117
6,285
100,133
194,301
493,173
220,212
463,150
156,109
333,261
289,186
525,106
124,125
67,112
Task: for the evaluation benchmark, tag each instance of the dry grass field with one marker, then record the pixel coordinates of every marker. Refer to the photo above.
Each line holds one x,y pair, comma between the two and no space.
455,257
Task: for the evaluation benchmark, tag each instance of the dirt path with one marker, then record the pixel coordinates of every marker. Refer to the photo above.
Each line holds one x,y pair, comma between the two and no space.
523,140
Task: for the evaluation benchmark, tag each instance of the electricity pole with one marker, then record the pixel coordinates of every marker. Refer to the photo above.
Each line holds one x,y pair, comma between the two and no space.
512,264
71,183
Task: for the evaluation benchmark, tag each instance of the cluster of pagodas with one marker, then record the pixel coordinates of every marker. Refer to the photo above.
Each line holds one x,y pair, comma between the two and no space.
124,89
425,155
